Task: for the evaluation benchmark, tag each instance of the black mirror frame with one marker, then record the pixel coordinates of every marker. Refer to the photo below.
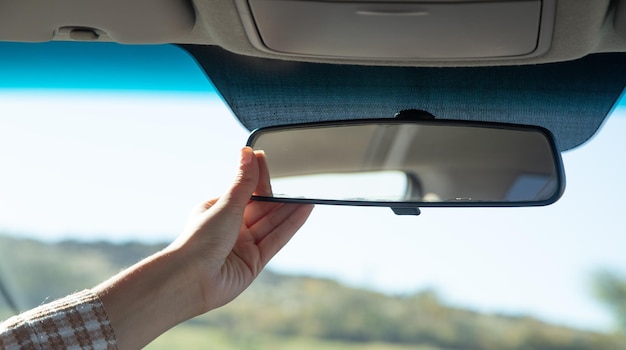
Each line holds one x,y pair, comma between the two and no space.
412,208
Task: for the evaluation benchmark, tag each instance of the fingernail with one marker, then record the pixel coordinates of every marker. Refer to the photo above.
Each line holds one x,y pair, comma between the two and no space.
246,155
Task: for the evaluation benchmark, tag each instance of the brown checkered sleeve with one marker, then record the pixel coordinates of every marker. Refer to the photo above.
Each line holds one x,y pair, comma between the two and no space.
78,321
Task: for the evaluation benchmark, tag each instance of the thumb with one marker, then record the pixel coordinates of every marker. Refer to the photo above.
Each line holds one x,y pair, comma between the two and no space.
238,195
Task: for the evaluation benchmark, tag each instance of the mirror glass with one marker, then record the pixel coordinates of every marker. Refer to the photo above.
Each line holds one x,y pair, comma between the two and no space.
430,163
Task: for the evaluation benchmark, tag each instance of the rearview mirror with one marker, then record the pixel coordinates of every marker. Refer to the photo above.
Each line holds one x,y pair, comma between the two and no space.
410,164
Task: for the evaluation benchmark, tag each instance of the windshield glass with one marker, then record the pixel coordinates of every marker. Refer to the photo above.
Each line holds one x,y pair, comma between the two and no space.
105,151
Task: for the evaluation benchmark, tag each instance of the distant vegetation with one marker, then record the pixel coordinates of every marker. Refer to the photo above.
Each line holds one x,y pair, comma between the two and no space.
611,288
290,312
44,271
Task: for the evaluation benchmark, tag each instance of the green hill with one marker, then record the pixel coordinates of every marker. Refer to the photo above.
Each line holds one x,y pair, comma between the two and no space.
288,312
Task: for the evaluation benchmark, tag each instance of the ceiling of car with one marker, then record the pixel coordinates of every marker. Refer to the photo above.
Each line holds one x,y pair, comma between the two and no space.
424,33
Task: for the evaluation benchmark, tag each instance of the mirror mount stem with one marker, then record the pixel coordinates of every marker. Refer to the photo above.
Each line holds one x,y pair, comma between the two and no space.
413,115
407,211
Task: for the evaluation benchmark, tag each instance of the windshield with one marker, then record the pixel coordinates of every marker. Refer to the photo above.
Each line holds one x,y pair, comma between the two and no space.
103,159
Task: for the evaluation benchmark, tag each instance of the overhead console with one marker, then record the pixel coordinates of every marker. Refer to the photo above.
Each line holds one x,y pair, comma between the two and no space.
379,30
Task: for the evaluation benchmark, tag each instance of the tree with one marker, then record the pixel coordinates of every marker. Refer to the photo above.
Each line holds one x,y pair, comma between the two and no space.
611,289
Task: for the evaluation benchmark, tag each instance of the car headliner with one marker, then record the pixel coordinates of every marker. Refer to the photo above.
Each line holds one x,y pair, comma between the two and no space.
573,28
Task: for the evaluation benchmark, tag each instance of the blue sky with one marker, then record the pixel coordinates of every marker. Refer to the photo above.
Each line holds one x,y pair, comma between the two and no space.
99,66
129,162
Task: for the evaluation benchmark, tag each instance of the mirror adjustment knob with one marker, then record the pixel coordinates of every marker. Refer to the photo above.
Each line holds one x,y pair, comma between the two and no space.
406,211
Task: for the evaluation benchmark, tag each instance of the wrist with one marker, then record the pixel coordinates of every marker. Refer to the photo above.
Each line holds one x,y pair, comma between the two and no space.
150,297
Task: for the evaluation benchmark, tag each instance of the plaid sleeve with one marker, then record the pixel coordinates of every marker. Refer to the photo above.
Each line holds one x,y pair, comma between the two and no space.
78,321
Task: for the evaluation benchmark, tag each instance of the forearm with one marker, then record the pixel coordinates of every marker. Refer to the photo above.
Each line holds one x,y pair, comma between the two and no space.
150,297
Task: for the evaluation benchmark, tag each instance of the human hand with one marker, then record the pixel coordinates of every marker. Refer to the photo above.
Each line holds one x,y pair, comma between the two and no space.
226,244
231,238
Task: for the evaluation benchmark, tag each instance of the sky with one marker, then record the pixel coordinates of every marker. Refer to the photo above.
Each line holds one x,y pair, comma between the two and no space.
129,163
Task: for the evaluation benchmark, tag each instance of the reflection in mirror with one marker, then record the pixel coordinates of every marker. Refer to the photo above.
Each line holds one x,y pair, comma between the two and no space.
375,185
430,163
